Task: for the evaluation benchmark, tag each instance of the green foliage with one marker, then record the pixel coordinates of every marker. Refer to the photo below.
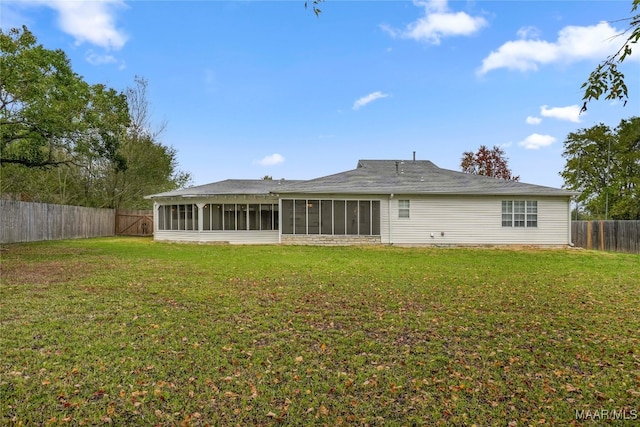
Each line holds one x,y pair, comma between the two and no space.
49,115
604,165
64,141
606,79
131,331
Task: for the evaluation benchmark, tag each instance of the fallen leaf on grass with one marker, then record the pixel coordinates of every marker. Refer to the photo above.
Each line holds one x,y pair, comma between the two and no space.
570,388
633,392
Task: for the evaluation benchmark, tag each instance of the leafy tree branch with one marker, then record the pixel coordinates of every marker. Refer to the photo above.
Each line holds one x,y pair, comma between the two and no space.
606,79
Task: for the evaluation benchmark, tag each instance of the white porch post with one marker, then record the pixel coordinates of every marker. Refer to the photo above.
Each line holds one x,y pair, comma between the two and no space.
155,217
200,216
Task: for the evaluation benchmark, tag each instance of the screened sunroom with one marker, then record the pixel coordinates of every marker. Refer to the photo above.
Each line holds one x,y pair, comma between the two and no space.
331,217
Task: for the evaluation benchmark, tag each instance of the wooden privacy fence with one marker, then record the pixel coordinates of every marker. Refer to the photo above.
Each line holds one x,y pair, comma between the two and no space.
618,236
134,222
29,222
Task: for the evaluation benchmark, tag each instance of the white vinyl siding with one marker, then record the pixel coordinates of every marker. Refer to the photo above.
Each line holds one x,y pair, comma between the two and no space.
233,237
476,220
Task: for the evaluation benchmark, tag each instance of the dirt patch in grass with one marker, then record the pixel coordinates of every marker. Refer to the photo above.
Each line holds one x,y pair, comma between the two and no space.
44,273
45,265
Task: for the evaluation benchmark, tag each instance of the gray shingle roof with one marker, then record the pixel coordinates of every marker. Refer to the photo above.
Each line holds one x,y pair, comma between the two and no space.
414,177
228,187
376,177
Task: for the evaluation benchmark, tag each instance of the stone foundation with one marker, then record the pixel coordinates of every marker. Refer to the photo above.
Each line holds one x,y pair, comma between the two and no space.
328,240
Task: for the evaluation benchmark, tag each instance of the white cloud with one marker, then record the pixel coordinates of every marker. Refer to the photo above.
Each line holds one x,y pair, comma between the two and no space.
533,120
89,21
97,59
528,32
438,22
573,44
271,160
368,99
570,113
536,141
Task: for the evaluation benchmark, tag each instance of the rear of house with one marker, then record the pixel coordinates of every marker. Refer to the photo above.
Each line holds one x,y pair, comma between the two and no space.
379,202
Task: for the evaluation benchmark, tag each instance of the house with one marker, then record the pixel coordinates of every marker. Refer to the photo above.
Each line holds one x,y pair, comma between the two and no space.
379,202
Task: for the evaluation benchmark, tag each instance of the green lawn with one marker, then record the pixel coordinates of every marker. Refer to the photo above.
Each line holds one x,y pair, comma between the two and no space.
133,332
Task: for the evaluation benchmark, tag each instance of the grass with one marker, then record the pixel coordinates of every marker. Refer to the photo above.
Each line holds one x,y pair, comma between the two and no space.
134,332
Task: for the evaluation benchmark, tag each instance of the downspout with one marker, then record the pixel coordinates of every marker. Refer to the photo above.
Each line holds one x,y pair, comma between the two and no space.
569,231
389,219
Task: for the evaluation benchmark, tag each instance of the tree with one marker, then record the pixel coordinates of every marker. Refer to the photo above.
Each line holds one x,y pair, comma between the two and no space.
48,115
152,166
606,79
101,169
488,163
604,165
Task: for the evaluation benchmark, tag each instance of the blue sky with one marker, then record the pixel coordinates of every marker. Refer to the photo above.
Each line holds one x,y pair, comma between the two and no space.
254,88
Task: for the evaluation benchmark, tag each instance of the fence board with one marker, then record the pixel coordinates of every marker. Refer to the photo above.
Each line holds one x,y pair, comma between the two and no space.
133,222
618,236
29,222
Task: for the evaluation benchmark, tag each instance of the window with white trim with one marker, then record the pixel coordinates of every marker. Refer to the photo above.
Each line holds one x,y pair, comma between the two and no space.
520,213
403,209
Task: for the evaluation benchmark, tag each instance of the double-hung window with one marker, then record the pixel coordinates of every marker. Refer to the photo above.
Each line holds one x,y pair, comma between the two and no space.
403,208
520,213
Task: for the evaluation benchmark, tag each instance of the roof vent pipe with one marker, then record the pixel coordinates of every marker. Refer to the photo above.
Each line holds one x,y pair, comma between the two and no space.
397,168
414,156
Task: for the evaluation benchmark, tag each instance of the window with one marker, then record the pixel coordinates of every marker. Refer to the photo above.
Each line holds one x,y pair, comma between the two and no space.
403,209
254,211
519,213
287,217
532,213
331,217
364,224
313,213
339,215
239,216
327,216
507,213
178,217
300,224
352,217
229,219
